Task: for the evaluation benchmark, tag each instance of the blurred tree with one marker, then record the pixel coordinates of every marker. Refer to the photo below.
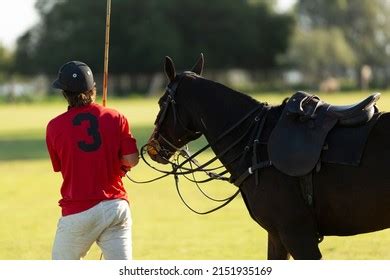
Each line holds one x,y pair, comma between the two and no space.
141,36
364,23
68,30
5,63
24,61
231,33
321,53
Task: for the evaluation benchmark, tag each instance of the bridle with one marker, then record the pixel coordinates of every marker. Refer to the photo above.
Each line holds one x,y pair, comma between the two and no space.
170,101
180,168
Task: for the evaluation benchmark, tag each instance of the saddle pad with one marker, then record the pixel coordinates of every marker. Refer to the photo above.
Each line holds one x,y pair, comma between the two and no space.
345,145
294,146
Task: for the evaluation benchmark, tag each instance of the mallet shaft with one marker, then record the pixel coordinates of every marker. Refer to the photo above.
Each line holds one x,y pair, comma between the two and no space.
106,53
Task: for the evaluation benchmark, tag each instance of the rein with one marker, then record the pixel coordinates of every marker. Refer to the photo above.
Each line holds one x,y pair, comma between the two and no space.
179,168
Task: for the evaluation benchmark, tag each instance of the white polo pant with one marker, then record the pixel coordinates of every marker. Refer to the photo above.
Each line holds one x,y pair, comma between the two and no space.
108,223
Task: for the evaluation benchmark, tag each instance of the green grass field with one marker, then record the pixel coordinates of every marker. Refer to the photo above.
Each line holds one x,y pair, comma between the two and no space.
162,227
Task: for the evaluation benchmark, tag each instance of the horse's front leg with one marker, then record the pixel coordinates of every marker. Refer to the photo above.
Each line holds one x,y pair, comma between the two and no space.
276,250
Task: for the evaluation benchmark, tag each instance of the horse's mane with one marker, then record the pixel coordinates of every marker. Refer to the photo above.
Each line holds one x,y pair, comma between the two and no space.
227,91
234,94
221,99
230,90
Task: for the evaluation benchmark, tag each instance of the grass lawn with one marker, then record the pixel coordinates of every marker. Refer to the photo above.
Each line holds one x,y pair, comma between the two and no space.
162,227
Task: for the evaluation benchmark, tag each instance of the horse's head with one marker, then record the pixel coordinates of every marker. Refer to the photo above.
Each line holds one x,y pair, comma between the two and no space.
174,125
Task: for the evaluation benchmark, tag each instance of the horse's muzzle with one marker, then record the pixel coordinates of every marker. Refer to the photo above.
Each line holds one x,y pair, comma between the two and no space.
154,151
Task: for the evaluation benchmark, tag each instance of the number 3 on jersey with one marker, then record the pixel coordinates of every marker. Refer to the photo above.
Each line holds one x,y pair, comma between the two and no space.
92,131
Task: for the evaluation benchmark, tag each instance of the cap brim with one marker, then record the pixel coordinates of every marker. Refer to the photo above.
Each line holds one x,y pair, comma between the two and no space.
56,84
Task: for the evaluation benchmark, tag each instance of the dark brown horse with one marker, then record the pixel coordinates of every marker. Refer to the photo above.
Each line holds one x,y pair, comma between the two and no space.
347,200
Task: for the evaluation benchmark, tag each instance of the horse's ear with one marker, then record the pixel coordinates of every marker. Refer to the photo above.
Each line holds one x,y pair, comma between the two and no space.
169,68
198,67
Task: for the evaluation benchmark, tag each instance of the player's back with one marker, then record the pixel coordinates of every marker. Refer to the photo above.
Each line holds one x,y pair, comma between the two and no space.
87,145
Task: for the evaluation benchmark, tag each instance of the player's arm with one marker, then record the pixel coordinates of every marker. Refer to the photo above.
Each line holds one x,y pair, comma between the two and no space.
55,160
130,160
129,151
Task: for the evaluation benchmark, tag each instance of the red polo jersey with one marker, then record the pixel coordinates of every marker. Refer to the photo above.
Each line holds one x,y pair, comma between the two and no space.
86,144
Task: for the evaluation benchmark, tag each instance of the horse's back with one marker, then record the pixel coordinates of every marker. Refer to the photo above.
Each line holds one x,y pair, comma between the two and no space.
351,200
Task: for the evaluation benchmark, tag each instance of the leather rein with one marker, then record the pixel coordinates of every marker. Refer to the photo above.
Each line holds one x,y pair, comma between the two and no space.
179,167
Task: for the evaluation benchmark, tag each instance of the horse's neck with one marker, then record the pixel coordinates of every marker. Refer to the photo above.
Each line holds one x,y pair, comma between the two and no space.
225,109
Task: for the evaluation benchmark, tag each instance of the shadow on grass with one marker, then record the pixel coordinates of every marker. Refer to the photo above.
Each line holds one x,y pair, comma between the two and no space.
25,148
20,149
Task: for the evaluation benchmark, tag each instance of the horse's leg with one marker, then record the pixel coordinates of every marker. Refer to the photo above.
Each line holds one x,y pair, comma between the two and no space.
302,244
276,250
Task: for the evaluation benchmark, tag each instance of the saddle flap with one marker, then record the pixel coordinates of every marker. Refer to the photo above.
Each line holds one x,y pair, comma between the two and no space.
295,145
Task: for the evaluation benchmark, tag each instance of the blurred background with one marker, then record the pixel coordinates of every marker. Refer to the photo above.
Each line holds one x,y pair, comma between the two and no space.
252,45
339,49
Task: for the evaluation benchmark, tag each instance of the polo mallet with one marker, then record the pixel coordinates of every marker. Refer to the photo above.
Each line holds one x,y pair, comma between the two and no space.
106,53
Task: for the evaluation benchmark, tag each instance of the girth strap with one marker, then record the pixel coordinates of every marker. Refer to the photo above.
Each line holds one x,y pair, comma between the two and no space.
306,183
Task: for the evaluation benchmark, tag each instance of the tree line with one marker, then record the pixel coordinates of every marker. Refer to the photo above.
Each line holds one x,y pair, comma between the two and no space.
335,36
231,33
320,38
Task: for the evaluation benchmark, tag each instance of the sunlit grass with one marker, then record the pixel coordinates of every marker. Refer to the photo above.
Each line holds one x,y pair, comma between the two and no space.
162,227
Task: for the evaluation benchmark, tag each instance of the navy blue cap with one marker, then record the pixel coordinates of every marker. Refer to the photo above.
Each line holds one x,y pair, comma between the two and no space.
75,77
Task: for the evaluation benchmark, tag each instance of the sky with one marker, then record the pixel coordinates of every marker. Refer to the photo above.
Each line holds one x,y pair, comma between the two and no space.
17,16
284,5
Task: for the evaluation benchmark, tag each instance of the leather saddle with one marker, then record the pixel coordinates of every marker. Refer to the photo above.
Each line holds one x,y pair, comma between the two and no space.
296,142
